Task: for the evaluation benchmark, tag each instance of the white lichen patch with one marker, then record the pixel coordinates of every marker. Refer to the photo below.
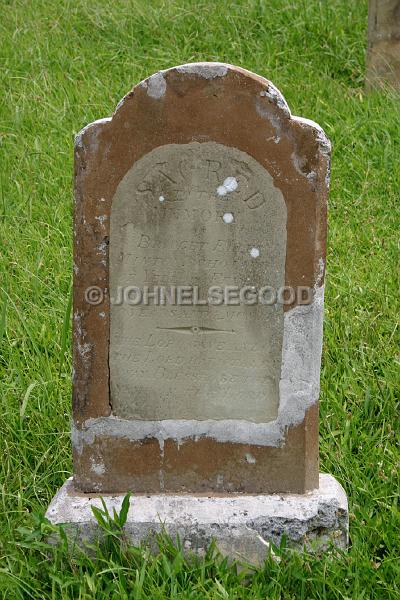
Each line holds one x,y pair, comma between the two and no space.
78,322
328,176
98,468
312,176
101,219
321,273
227,218
250,459
156,86
102,248
84,349
264,111
230,185
203,69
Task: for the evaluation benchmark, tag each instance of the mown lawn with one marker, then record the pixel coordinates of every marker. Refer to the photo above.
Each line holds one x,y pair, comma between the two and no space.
66,63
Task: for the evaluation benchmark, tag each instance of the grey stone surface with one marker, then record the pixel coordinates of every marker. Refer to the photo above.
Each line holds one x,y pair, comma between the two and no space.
383,55
242,525
206,216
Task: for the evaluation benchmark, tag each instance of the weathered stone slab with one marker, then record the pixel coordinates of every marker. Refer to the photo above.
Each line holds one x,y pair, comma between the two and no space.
383,55
193,361
203,167
242,526
200,221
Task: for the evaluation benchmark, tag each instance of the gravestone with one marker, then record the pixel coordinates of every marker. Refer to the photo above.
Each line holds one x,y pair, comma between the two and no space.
383,54
199,261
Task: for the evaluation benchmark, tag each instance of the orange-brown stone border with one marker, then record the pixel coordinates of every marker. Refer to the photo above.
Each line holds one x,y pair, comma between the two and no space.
231,106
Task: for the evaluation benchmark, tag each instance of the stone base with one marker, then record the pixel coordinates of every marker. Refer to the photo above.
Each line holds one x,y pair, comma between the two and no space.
242,525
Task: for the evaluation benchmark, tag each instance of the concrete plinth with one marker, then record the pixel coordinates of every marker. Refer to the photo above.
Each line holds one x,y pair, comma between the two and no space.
242,525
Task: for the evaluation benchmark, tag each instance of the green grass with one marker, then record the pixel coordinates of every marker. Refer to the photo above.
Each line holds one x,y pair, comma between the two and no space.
66,63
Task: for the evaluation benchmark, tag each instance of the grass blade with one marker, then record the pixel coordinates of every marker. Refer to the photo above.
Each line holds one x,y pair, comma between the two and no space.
65,329
3,316
26,398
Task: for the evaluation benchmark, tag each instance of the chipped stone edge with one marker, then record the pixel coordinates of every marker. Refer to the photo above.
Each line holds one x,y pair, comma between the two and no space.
298,391
156,87
80,135
207,70
322,138
323,142
242,525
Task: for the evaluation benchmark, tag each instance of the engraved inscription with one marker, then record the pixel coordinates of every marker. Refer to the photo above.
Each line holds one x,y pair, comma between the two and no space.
198,214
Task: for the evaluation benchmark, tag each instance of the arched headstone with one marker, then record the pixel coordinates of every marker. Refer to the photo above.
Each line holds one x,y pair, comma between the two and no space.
199,261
